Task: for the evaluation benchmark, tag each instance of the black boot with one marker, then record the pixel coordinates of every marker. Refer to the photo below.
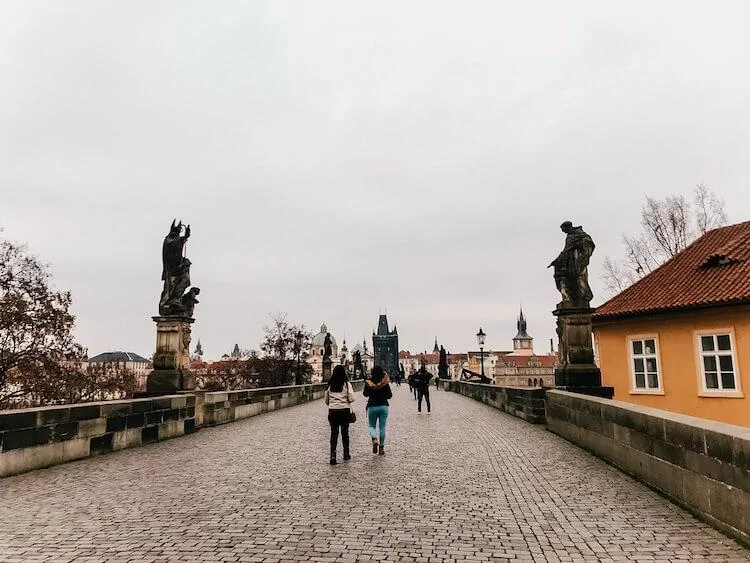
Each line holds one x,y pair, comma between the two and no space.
333,457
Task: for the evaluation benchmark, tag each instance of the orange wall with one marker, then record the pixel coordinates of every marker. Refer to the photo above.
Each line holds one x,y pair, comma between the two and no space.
678,356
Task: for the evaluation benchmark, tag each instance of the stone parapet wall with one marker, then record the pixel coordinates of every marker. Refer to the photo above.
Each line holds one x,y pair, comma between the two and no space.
523,402
701,465
221,407
44,436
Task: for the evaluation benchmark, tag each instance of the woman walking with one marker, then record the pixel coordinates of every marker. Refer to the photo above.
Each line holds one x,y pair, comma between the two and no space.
378,391
339,395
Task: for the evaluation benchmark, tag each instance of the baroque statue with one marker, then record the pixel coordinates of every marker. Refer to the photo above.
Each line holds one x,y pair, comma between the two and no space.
571,266
327,347
176,274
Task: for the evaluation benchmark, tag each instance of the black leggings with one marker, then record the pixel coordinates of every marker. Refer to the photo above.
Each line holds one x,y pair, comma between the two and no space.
339,418
423,392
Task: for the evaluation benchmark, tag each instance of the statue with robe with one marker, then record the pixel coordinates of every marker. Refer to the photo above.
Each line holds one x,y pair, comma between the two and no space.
175,272
571,266
443,365
327,352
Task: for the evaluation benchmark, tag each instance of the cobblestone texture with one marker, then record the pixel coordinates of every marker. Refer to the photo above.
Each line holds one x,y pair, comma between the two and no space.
467,483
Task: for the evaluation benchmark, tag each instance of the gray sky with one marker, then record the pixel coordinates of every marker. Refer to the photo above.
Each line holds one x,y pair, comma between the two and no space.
338,158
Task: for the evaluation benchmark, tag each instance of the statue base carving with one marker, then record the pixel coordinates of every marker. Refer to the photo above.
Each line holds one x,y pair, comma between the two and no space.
327,363
171,373
577,371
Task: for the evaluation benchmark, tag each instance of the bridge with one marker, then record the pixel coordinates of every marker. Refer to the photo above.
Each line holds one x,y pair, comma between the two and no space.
466,483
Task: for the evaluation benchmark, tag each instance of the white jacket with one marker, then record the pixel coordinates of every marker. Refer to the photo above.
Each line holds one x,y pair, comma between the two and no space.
340,400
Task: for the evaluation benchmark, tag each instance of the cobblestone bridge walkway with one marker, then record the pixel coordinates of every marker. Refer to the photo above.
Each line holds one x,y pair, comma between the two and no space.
466,483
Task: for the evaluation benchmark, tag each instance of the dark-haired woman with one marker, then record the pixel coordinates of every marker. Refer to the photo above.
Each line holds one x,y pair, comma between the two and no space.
378,391
339,397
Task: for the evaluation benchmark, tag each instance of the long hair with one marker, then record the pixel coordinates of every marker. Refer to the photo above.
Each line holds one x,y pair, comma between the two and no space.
338,379
377,374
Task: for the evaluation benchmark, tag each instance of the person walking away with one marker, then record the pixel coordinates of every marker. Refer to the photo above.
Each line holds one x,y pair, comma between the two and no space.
422,380
378,391
339,397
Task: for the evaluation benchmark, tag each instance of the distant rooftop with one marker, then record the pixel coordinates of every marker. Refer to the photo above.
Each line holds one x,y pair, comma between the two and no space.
109,357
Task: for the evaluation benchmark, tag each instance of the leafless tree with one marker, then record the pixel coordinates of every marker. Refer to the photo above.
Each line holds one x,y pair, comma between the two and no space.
668,226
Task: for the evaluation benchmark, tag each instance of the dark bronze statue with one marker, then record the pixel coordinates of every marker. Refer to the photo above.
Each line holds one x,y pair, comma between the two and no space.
176,274
327,352
443,365
571,266
189,300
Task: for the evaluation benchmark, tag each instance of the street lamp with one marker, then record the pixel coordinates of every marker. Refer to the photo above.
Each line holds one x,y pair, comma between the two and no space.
480,340
298,341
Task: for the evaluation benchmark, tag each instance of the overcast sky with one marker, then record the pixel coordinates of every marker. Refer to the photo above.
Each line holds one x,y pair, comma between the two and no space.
336,159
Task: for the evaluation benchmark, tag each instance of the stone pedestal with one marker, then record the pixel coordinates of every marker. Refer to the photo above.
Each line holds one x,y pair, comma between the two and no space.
327,363
577,371
171,360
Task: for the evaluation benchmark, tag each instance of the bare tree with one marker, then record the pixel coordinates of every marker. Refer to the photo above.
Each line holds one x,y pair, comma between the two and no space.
668,226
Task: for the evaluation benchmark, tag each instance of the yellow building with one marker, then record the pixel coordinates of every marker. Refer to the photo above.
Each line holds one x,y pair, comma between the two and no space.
679,339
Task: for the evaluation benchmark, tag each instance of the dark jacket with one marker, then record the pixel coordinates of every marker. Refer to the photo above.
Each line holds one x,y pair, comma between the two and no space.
377,393
422,379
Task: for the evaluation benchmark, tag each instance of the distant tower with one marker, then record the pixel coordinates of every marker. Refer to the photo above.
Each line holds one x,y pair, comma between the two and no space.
198,354
235,351
385,346
523,344
344,354
436,349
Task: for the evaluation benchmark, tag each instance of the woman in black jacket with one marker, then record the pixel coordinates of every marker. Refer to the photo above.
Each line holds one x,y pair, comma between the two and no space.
378,391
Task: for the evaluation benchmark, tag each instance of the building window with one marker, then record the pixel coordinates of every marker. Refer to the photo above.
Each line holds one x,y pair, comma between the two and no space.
717,362
643,360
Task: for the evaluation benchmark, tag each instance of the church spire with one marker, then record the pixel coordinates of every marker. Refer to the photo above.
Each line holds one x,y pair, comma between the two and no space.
436,348
522,343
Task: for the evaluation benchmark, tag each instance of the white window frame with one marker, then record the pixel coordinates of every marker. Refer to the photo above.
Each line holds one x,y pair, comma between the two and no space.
634,390
704,391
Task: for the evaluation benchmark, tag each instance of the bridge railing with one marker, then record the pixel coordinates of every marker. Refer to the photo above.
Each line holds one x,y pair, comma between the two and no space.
39,437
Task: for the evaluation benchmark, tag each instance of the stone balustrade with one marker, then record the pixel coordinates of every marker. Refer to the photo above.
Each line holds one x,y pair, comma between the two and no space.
43,436
699,464
39,437
527,403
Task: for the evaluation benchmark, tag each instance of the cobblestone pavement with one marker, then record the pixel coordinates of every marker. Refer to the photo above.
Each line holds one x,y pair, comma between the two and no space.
466,483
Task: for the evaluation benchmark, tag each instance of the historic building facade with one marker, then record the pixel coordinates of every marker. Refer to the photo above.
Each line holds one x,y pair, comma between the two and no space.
523,367
317,350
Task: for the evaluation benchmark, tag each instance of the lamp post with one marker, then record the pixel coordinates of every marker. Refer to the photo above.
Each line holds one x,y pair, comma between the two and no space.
298,341
480,340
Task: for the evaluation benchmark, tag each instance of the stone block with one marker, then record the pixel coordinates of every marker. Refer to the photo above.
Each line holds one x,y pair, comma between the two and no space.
53,416
92,427
719,446
18,420
177,403
155,417
171,429
695,491
117,409
685,436
135,420
86,412
64,431
142,406
729,505
741,452
215,398
160,404
129,438
36,457
101,444
189,425
26,437
117,423
149,434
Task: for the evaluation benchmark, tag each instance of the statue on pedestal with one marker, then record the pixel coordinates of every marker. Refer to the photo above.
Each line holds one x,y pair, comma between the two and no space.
176,275
571,266
443,365
327,352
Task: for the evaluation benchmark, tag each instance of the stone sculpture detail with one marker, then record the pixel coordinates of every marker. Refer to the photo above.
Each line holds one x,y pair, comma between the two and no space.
174,302
571,266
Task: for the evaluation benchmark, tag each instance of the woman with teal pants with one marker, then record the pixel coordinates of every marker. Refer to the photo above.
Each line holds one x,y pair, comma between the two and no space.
378,391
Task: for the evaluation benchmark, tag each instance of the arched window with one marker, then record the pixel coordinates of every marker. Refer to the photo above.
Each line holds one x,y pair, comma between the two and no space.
536,382
529,382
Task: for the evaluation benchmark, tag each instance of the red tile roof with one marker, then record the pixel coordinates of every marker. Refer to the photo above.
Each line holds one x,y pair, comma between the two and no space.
714,270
